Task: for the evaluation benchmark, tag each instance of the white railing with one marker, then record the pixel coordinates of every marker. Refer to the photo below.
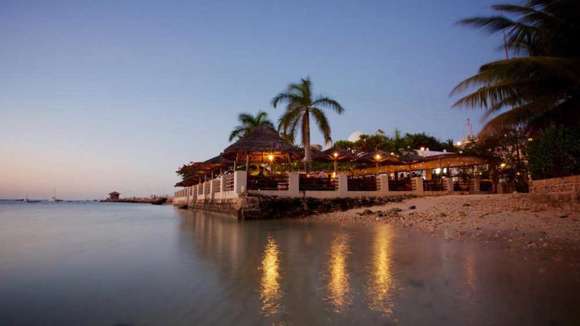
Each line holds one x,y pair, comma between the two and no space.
233,185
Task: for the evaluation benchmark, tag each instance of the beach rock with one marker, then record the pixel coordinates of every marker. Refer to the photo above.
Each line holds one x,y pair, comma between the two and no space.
366,212
412,207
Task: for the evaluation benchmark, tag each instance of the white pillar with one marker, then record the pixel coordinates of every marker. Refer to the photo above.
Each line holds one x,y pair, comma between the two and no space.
383,182
294,184
342,184
418,185
475,184
448,184
240,181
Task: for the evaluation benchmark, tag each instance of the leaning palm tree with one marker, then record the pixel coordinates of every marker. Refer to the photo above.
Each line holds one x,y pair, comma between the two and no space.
249,122
540,84
300,105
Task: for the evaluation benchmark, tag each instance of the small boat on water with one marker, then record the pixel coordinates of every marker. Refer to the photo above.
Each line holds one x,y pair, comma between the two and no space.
53,199
159,201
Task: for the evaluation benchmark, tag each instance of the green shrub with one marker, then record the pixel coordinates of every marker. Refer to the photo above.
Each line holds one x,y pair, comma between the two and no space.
556,153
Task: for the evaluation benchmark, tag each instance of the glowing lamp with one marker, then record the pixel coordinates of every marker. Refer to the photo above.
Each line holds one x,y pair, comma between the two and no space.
503,165
378,157
335,154
437,170
270,157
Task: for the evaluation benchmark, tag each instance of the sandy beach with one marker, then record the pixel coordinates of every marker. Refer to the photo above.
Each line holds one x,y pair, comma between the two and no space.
515,220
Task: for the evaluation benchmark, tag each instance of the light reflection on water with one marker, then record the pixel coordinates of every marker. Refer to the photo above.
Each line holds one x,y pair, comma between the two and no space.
338,282
381,278
270,292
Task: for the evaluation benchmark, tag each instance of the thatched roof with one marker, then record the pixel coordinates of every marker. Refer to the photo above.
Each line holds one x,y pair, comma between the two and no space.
331,154
219,159
262,139
377,156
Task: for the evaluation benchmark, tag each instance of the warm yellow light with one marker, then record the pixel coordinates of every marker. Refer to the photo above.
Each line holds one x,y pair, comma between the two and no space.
422,148
339,280
270,282
437,170
530,139
333,175
458,143
335,154
381,277
270,157
378,157
503,165
393,153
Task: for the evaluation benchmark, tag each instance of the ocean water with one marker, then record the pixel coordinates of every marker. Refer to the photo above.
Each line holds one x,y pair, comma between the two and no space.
128,264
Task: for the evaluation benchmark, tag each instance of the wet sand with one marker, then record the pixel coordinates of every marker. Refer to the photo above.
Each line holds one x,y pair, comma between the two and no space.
512,220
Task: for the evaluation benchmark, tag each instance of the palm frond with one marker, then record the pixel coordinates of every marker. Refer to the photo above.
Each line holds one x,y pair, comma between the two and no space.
322,123
285,98
246,119
328,103
237,132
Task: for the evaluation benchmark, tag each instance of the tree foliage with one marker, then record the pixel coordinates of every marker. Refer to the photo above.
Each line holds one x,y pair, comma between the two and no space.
556,153
396,143
539,85
301,105
248,123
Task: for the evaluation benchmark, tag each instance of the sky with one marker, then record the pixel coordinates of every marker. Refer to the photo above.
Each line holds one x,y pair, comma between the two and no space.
106,95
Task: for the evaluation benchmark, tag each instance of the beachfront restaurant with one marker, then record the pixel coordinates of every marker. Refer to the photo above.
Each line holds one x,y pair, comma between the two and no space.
262,163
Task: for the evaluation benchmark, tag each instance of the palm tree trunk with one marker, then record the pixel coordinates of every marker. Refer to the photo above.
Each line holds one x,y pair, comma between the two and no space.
306,140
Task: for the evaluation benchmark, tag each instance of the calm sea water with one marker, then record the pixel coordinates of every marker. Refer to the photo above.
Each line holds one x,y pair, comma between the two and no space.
123,264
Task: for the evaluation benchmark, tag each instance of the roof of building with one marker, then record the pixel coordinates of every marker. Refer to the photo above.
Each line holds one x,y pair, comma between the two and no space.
262,139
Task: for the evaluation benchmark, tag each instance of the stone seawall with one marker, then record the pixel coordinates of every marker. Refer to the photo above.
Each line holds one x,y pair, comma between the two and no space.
270,207
566,188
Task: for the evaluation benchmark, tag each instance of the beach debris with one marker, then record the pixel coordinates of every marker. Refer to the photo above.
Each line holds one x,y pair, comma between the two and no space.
412,207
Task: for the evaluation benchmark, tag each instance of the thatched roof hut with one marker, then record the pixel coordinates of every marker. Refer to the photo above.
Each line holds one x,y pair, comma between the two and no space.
262,144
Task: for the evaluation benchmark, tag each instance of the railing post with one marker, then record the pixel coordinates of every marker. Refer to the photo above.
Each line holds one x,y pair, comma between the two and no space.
240,181
383,182
342,184
417,185
294,184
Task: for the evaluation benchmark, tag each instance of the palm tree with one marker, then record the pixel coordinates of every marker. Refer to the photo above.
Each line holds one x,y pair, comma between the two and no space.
540,85
249,122
300,105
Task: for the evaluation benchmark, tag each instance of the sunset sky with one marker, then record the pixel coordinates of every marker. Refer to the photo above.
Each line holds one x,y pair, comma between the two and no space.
98,96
